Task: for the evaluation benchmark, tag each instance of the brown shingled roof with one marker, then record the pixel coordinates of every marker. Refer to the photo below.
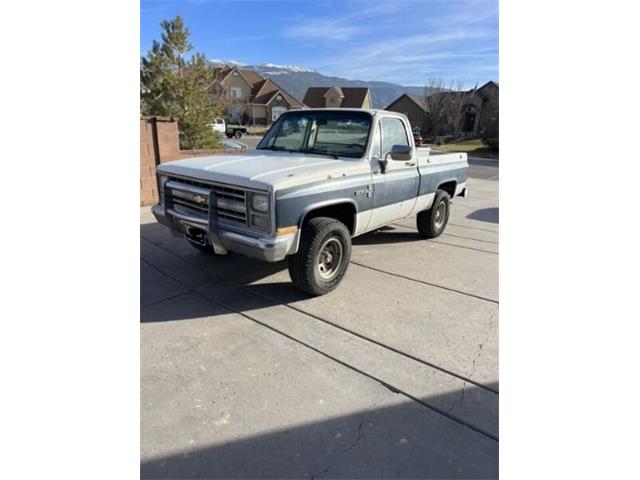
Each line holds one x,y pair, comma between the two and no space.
314,97
251,76
353,96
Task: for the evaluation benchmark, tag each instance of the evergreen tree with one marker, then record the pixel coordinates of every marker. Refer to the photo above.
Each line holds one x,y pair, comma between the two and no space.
172,86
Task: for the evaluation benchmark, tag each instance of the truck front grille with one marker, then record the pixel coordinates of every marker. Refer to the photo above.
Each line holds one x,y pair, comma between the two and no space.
192,197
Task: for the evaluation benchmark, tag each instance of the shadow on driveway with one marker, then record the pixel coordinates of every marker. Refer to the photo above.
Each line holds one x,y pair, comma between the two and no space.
402,439
489,215
232,278
406,440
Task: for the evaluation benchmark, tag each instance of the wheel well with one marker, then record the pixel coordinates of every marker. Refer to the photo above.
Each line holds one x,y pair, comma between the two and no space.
345,212
449,187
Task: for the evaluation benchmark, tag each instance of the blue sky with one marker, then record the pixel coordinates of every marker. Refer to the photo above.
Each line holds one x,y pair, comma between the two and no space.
402,41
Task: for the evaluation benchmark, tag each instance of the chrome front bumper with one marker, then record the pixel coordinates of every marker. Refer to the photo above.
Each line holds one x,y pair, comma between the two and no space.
224,241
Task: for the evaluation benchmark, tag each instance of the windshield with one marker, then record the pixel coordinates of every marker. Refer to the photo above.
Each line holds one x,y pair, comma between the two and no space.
332,133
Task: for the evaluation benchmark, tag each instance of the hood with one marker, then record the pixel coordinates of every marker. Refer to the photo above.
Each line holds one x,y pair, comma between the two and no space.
261,169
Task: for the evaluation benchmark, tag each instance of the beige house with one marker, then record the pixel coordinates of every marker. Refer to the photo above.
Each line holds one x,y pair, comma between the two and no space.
337,97
250,98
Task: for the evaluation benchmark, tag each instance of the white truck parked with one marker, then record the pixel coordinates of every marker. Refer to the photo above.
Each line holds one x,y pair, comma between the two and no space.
318,178
231,131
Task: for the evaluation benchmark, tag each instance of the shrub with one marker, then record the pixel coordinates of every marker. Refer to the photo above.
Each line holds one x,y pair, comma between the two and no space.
491,142
491,134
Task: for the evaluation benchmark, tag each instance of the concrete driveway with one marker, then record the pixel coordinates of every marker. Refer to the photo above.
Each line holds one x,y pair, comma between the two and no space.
392,375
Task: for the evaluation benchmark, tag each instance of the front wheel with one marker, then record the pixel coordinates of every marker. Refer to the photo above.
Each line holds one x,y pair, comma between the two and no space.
238,134
432,222
323,256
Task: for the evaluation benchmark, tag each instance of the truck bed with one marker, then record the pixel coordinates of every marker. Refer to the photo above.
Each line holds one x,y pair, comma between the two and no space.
427,157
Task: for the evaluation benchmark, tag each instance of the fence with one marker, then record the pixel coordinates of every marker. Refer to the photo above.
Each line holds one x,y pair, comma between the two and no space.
159,143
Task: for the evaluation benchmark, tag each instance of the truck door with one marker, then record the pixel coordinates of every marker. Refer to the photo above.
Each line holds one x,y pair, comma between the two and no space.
394,192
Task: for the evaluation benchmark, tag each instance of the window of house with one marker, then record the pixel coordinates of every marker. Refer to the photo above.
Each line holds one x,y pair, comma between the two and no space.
393,133
276,112
236,92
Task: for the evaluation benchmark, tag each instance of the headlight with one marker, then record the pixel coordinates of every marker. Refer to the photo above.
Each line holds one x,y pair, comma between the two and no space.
259,203
261,222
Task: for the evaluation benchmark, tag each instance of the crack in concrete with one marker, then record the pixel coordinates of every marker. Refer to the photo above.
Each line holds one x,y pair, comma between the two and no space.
317,350
342,452
484,340
458,400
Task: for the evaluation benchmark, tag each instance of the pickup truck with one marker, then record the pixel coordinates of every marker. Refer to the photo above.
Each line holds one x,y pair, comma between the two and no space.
231,131
318,178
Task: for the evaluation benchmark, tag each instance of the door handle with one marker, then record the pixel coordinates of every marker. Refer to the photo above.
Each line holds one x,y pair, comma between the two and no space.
410,164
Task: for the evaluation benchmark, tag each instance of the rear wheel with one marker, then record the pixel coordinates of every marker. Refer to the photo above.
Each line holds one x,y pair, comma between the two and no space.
238,134
323,256
431,223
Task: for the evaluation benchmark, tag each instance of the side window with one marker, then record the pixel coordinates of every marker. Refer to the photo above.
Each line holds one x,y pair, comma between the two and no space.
393,133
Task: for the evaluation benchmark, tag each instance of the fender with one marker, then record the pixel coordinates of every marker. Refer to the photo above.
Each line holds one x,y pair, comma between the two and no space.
315,206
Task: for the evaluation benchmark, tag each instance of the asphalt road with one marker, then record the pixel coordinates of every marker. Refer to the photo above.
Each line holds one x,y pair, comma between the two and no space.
251,142
392,375
483,168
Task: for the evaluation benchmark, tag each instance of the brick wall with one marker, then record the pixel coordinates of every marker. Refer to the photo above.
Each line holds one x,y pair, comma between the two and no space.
159,143
148,162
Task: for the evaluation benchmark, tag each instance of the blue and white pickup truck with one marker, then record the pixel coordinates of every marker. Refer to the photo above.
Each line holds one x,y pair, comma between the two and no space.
318,178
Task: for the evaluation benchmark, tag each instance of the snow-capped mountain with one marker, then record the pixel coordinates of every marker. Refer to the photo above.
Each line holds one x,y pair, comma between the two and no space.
266,68
296,79
216,62
278,69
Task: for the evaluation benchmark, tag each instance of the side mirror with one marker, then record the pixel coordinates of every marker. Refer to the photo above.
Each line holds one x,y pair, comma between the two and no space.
401,152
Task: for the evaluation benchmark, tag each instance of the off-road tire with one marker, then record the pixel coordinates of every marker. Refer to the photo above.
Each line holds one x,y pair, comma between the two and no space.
304,267
431,223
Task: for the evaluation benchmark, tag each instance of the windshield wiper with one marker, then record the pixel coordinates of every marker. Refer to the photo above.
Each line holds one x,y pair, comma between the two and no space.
320,152
278,149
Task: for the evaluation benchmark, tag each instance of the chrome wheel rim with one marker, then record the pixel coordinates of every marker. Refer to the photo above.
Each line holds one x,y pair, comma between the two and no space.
441,212
329,258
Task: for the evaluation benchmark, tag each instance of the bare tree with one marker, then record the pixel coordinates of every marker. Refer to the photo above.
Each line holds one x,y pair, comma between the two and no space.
458,98
436,100
237,109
